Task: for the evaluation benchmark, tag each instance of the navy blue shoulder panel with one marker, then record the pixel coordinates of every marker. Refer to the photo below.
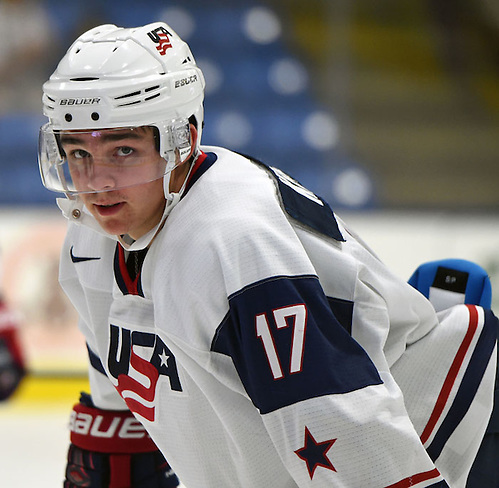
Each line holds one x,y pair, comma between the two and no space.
299,203
287,345
306,207
303,205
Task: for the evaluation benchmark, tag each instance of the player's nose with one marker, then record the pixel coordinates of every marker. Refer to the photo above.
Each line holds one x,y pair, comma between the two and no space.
100,176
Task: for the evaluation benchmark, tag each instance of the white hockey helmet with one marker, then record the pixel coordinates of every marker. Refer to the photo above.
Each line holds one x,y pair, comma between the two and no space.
117,78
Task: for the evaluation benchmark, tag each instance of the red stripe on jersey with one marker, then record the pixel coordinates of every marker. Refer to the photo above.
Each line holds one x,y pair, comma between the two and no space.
131,285
451,375
415,479
197,164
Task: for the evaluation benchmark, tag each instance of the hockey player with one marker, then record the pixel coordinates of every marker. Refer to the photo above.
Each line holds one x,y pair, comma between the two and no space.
253,335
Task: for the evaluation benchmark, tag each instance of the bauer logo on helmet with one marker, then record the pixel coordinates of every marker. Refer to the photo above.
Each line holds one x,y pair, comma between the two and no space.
79,101
186,81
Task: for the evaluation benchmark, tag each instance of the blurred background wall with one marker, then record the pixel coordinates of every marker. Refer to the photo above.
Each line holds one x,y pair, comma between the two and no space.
415,87
385,105
388,109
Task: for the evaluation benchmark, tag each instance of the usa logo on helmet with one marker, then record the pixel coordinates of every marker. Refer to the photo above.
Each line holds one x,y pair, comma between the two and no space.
161,36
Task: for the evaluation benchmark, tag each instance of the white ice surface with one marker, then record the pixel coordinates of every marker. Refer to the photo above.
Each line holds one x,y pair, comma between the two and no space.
33,446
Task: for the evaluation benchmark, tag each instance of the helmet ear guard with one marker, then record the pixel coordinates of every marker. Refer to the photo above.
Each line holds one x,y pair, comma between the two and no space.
181,136
176,145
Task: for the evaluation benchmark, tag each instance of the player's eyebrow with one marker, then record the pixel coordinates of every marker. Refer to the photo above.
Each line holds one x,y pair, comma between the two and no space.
106,137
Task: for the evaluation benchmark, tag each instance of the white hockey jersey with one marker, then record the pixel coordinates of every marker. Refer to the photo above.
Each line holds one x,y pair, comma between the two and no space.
263,345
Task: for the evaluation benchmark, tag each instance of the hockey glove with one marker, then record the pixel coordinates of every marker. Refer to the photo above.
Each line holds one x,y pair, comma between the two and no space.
111,449
12,368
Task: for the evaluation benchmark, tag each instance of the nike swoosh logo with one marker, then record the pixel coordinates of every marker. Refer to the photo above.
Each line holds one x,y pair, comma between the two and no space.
78,259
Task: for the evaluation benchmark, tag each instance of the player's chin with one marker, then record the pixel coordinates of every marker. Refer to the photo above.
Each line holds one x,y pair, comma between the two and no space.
113,226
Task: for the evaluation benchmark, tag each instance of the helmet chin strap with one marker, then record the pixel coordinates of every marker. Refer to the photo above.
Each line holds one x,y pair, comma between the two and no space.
172,199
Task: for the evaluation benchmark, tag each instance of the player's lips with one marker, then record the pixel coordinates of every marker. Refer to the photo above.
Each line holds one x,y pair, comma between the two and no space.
105,210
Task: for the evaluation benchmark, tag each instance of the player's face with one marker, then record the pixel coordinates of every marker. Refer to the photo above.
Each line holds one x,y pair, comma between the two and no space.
119,174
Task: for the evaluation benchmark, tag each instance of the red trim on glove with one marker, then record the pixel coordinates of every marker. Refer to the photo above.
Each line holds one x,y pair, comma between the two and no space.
108,431
120,469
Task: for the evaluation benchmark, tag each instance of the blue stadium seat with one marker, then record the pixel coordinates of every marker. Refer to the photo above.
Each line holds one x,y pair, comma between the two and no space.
20,182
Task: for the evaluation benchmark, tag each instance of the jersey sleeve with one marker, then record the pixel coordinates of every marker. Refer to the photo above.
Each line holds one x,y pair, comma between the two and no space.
448,380
385,301
334,417
444,363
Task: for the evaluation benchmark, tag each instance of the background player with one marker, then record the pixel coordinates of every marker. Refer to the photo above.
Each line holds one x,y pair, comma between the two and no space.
12,363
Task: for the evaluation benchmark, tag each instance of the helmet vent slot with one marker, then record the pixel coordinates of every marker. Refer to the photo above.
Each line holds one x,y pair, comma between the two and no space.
48,102
88,78
130,103
133,97
133,94
152,96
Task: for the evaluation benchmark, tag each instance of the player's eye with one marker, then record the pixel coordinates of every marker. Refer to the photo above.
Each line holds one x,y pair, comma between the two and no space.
80,154
124,151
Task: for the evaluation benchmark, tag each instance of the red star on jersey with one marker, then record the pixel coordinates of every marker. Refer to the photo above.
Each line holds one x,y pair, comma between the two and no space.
314,453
